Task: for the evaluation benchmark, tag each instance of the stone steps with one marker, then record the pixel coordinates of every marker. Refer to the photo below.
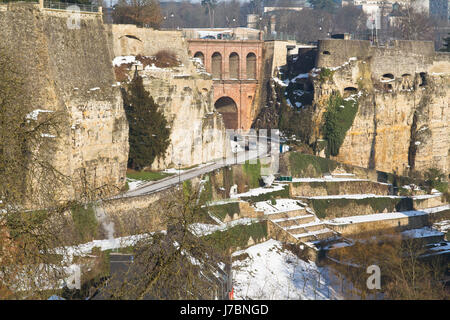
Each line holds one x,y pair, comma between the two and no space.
314,235
285,214
306,228
294,221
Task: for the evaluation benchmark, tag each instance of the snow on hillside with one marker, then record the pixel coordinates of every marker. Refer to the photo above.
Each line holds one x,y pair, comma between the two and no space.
269,272
258,191
280,205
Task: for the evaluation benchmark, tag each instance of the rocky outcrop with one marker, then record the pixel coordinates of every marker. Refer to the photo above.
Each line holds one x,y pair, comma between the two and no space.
184,93
403,94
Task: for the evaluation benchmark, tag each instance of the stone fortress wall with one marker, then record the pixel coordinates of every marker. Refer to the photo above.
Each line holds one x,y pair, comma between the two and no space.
69,70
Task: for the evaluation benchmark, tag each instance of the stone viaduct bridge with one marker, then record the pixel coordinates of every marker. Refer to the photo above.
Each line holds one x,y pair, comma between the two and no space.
235,66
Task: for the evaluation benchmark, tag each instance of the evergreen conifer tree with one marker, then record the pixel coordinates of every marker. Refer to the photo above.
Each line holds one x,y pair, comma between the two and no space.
148,135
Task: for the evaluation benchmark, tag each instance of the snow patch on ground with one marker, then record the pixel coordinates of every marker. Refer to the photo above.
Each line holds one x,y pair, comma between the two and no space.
279,82
376,217
269,272
203,229
107,244
118,61
442,226
281,205
422,233
33,115
134,184
258,191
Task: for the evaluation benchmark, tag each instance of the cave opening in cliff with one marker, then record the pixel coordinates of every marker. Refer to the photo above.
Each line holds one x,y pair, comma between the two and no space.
348,91
132,37
423,79
229,111
387,77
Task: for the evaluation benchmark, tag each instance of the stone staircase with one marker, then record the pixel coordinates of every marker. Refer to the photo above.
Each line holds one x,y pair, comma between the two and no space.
295,219
301,223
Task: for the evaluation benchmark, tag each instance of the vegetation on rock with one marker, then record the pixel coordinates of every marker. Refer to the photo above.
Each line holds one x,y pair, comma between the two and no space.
339,118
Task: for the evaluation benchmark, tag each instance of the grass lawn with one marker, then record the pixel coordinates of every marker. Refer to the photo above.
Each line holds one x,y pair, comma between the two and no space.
147,175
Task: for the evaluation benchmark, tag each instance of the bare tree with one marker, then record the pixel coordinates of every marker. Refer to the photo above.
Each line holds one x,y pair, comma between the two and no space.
170,265
210,6
139,12
404,272
29,183
414,24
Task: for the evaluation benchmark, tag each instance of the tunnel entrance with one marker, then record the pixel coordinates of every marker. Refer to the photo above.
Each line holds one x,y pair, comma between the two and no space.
229,111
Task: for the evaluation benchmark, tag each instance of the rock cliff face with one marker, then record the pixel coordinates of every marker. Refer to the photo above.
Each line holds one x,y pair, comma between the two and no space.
197,130
184,93
69,70
403,94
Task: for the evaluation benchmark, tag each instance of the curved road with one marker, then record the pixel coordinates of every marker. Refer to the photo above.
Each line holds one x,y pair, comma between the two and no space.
168,182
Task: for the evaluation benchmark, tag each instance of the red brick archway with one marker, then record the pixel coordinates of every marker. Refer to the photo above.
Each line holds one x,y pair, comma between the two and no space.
227,107
237,75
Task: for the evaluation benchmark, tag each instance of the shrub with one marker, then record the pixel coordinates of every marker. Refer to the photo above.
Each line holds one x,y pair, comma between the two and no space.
339,118
325,74
162,59
85,222
434,179
121,72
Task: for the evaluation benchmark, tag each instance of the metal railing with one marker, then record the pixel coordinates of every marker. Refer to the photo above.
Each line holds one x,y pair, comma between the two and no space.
64,5
279,36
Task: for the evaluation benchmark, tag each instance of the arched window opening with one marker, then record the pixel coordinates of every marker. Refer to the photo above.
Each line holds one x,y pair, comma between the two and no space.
234,66
251,66
216,66
199,55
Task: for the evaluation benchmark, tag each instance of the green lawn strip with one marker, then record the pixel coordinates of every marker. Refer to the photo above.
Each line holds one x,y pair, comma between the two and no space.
237,236
302,164
378,204
148,175
222,210
269,195
253,172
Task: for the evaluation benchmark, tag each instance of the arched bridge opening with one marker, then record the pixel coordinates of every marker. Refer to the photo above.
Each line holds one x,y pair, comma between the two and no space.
227,107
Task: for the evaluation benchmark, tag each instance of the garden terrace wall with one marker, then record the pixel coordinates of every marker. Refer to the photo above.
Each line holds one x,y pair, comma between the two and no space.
344,207
398,224
311,189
